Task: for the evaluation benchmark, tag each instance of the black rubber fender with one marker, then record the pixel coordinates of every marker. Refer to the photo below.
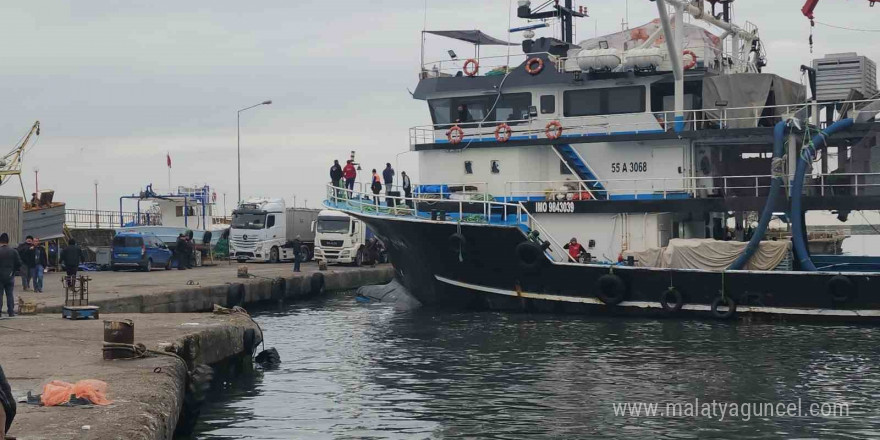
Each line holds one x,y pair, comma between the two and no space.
7,400
316,283
671,300
530,256
841,289
723,301
611,289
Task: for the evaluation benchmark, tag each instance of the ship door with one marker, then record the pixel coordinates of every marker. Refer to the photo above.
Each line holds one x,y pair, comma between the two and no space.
667,164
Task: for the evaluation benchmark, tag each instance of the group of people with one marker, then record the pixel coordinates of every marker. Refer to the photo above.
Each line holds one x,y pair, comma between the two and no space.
184,250
346,176
30,260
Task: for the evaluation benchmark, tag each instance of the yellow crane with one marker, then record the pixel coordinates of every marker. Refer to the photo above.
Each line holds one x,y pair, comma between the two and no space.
10,163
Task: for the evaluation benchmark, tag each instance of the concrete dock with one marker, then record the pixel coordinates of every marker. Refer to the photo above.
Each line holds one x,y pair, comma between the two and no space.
147,393
197,290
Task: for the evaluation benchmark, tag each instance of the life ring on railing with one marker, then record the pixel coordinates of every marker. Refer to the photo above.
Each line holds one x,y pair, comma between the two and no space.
725,301
611,289
502,132
841,289
455,135
671,300
693,62
553,130
530,256
534,65
474,70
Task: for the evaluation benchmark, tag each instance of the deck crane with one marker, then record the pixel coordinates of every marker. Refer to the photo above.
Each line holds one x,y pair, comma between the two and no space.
810,6
10,163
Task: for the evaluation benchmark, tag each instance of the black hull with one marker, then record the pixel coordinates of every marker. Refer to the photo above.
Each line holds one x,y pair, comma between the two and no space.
488,274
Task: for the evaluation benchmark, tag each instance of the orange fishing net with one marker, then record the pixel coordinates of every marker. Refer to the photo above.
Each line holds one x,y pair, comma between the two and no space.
58,392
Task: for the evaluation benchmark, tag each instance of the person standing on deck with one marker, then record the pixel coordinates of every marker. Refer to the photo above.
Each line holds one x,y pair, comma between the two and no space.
71,256
388,177
376,186
575,250
336,174
26,253
10,261
350,174
41,261
407,188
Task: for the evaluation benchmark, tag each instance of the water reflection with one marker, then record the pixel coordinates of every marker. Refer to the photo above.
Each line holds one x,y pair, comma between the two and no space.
368,371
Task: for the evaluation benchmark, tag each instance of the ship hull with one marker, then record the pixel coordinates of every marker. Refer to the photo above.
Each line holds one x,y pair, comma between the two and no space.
485,273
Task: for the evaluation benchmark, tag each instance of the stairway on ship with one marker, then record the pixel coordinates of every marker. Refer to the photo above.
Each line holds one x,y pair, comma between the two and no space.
574,161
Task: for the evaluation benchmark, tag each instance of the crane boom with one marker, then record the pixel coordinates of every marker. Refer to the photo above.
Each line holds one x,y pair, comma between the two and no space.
810,6
10,163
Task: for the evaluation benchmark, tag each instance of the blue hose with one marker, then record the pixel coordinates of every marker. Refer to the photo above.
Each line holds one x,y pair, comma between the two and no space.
797,220
776,182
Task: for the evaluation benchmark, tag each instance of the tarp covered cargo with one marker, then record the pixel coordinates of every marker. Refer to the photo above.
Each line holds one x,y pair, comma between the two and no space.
708,254
750,90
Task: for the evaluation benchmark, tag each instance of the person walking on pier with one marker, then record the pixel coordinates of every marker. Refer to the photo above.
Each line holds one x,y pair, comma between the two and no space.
41,261
180,252
407,188
376,186
71,256
388,177
10,261
26,252
297,253
350,174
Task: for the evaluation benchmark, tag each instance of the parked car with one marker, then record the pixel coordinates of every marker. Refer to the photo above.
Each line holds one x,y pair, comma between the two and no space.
140,250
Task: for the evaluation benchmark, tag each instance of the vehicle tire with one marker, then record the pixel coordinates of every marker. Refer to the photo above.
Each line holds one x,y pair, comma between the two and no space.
841,289
611,289
671,300
148,266
530,255
725,301
307,255
359,258
273,255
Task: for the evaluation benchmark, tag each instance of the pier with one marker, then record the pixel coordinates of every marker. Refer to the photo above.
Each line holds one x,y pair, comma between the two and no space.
149,394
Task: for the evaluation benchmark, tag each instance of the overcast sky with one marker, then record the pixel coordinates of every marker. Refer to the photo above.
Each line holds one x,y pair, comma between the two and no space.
116,84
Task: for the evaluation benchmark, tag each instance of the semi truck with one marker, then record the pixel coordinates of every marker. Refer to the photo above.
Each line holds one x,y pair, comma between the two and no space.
263,230
340,238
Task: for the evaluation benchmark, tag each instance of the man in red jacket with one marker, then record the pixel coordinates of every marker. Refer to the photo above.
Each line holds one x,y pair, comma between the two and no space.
574,249
349,173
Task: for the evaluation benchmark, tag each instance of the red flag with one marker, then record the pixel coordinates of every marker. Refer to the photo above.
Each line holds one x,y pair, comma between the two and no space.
168,157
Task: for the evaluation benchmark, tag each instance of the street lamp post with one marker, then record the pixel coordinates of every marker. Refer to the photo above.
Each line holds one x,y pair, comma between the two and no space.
239,143
97,215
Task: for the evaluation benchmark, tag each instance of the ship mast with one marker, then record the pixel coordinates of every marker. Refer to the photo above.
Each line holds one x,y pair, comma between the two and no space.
565,13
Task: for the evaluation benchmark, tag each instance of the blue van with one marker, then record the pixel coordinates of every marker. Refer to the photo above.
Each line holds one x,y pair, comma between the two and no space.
140,250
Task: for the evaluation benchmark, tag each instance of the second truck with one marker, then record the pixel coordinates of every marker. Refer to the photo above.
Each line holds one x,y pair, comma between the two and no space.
263,230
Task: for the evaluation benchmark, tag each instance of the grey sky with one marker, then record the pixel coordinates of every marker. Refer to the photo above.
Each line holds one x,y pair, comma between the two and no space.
117,84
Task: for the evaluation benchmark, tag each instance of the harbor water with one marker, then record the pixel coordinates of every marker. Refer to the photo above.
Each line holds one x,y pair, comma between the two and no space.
356,370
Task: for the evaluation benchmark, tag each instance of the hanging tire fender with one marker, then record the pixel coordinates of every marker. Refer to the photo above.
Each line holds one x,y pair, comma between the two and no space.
530,256
671,300
457,242
611,289
841,289
723,301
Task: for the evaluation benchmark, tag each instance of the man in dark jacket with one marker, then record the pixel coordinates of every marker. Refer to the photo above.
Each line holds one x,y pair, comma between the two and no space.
7,405
336,174
407,188
40,262
297,253
71,256
388,177
180,252
26,252
10,261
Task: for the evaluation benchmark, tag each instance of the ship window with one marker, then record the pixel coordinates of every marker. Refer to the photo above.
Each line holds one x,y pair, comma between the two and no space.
270,221
468,167
190,211
475,109
593,102
548,104
563,168
495,167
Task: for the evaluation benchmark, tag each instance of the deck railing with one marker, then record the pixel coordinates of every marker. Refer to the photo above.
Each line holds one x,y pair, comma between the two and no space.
629,123
96,219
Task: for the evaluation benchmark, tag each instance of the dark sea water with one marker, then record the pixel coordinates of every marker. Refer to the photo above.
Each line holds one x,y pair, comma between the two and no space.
355,370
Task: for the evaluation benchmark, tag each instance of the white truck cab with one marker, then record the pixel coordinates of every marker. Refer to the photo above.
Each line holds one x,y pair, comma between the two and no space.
339,238
263,229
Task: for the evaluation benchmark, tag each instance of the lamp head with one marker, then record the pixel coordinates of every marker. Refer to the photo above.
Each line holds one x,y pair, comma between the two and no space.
266,102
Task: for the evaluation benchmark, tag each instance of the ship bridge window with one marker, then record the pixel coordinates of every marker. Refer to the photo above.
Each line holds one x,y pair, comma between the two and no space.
612,101
548,104
474,109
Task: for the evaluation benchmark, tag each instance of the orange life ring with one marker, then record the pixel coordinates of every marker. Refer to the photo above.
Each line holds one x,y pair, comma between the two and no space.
553,130
502,132
536,69
693,62
471,72
455,135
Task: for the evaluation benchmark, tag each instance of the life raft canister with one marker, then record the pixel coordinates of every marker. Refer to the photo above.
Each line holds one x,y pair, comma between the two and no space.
455,135
502,132
534,65
693,62
471,67
553,130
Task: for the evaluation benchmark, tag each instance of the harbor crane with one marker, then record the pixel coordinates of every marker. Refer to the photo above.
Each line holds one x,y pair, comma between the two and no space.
10,163
810,6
